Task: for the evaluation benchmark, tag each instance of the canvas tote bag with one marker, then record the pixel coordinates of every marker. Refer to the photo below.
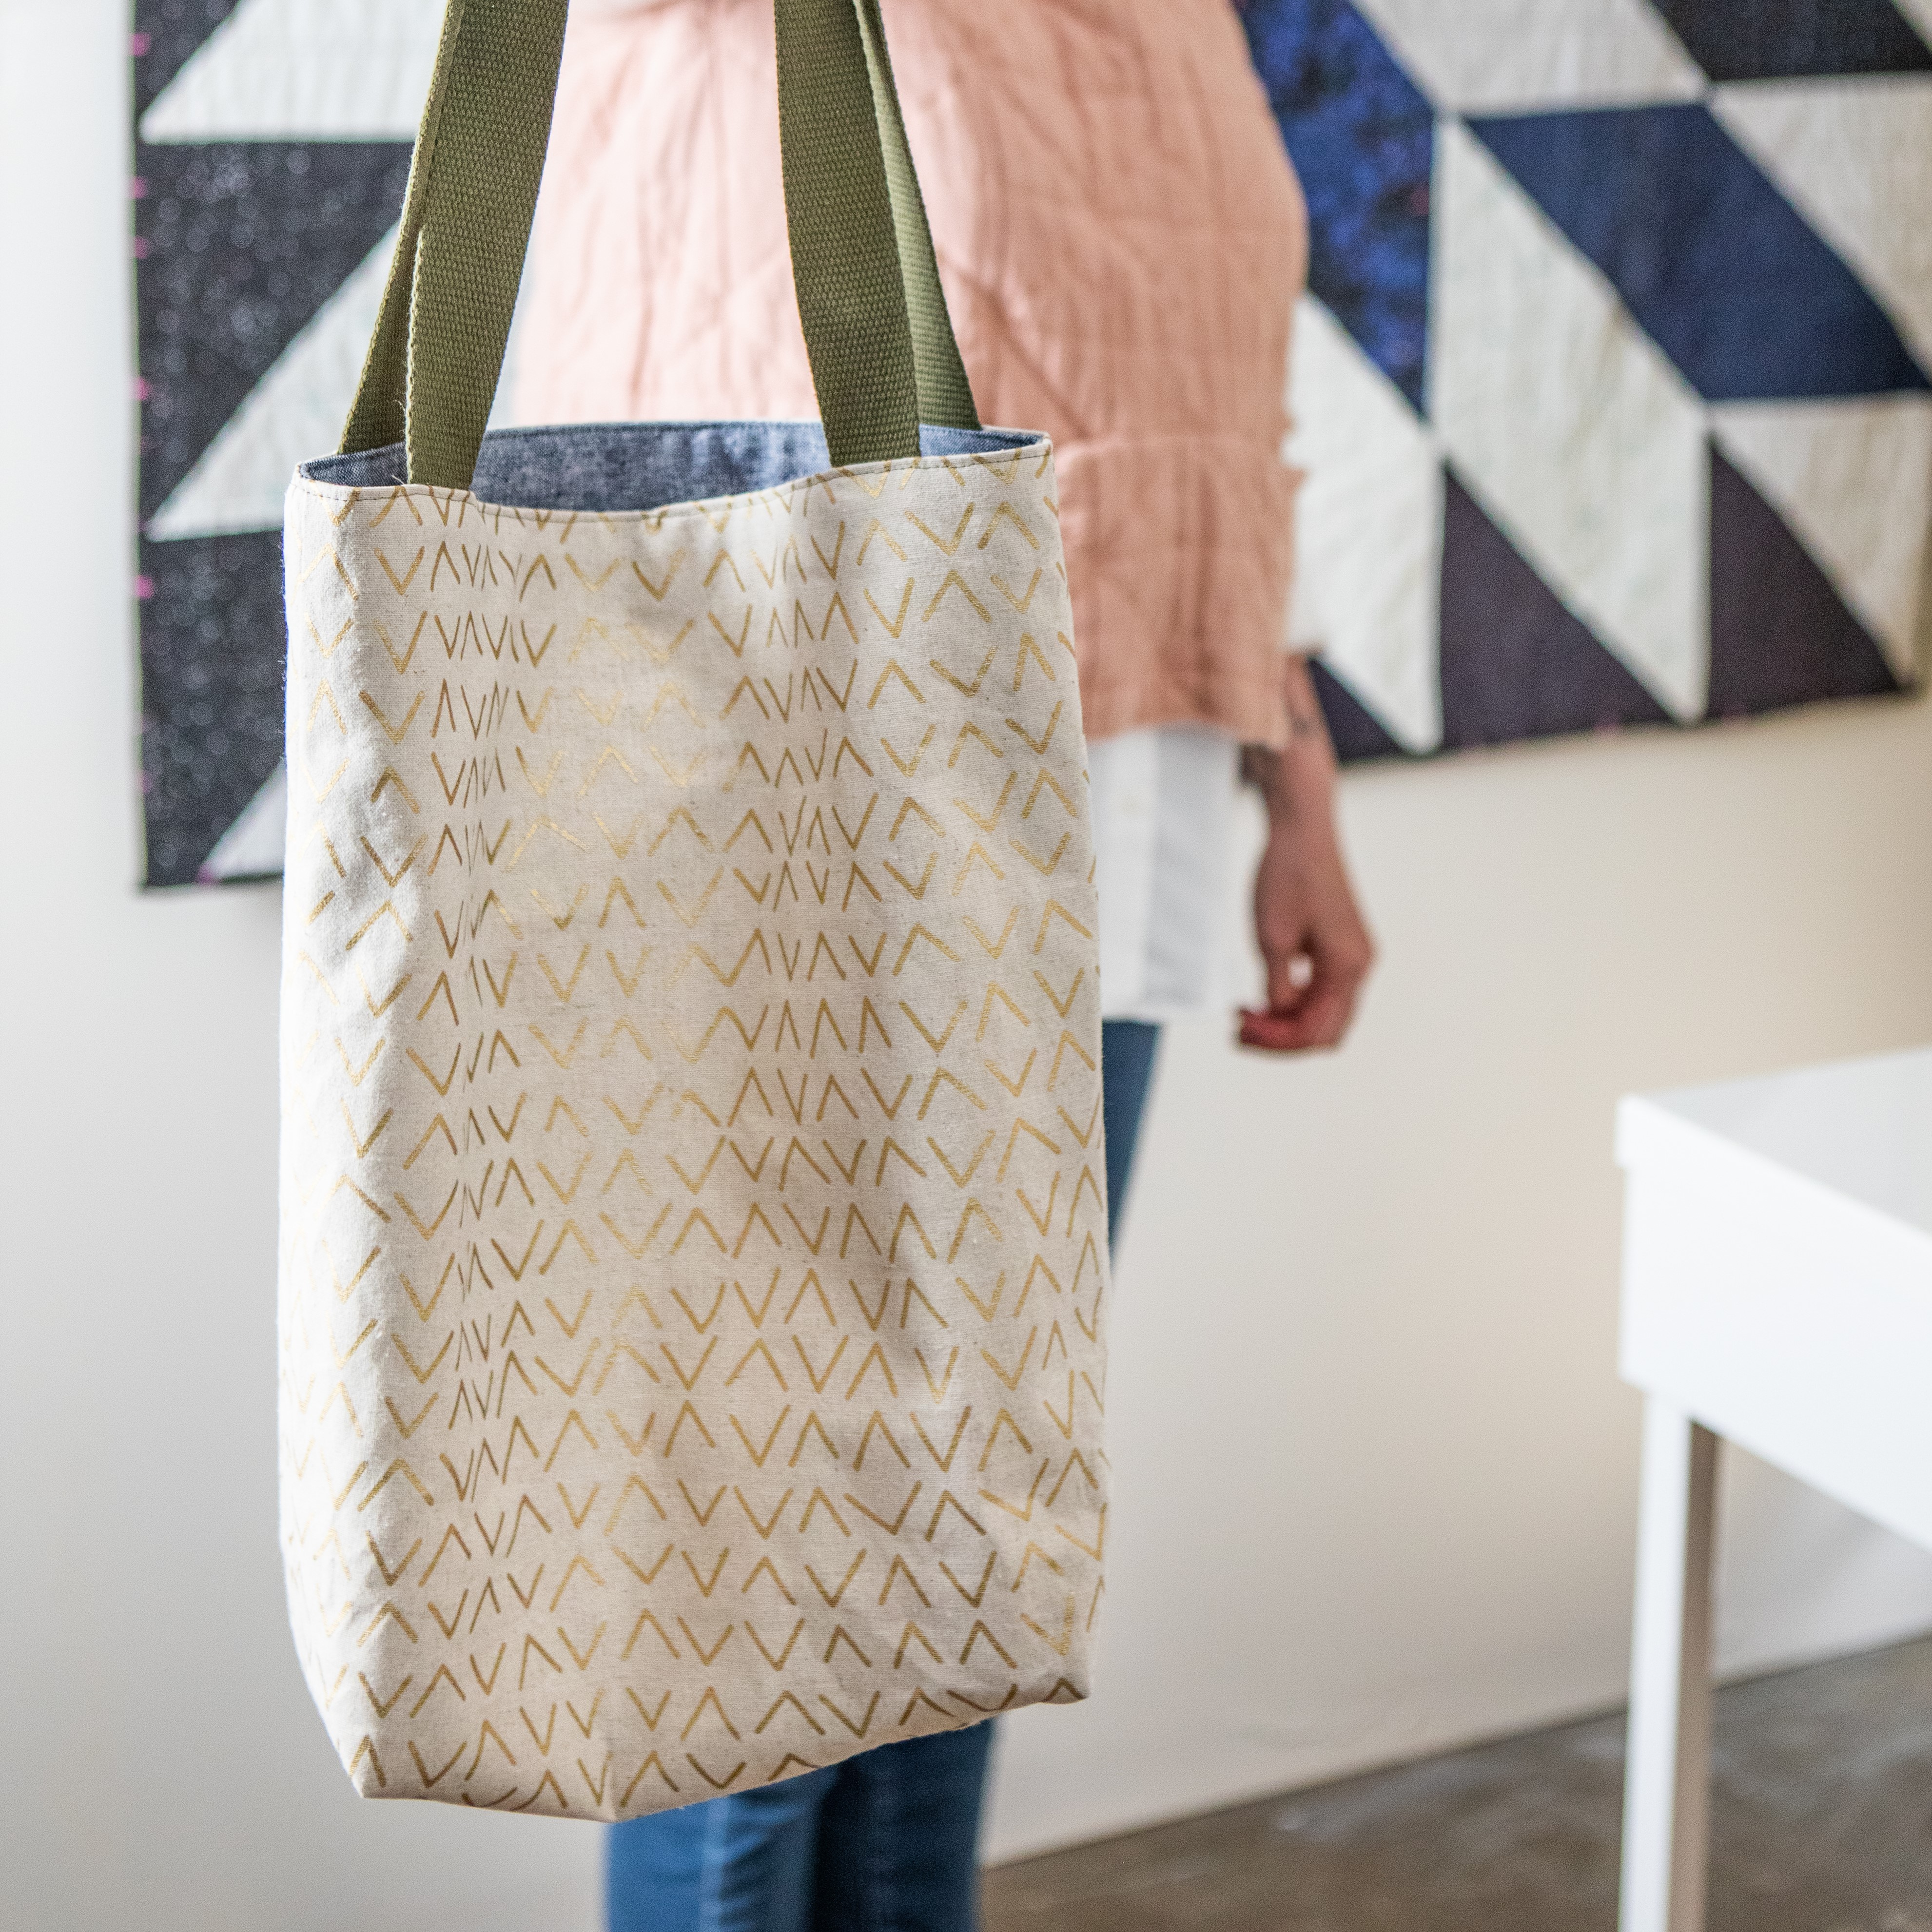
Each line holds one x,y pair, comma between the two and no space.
693,1237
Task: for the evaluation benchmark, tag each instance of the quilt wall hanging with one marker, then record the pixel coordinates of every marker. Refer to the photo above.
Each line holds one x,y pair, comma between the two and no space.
1612,383
272,147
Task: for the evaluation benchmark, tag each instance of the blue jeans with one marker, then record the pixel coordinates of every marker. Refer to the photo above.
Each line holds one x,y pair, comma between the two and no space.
887,1841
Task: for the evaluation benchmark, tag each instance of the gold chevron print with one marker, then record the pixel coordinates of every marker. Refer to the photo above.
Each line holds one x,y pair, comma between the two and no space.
693,1257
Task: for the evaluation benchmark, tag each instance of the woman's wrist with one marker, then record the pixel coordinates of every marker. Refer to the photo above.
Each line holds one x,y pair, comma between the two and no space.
1298,775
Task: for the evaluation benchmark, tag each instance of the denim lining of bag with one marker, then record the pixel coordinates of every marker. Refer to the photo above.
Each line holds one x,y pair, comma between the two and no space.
612,468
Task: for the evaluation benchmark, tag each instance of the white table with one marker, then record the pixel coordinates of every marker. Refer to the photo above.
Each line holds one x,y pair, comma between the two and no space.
1777,1293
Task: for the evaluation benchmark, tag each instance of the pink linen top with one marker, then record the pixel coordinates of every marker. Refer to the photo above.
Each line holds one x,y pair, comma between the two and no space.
1121,241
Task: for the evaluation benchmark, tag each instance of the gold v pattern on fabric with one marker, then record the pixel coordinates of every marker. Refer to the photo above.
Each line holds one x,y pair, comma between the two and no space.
694,1249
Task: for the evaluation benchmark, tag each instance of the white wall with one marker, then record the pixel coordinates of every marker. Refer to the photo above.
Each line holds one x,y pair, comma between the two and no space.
160,1765
1375,1474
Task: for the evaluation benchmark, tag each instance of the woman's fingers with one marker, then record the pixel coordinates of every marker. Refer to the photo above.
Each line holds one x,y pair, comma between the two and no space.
1318,1021
1311,996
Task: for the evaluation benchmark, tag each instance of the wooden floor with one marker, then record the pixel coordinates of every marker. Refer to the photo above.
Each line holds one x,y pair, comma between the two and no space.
1822,1823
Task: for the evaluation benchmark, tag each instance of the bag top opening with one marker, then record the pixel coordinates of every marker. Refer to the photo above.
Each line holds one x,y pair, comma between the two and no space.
613,467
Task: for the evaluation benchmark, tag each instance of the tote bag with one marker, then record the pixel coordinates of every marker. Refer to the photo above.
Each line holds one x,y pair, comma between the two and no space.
693,1247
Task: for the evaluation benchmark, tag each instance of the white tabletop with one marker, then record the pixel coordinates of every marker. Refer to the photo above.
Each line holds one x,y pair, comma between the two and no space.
1860,1128
1777,1277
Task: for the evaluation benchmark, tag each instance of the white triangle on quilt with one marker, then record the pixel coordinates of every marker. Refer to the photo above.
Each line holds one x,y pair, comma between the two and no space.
251,848
1919,12
1503,56
1853,156
304,70
1570,427
1368,530
1852,477
294,412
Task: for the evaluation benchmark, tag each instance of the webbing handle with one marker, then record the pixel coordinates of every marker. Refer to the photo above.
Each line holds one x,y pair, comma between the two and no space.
877,331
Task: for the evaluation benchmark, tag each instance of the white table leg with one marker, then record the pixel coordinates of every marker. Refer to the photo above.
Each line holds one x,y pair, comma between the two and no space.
1666,1796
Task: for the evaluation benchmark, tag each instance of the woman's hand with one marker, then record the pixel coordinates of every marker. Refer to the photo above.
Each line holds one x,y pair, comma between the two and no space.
1311,932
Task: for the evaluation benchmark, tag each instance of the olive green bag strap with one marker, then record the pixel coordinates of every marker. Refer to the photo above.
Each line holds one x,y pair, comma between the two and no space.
876,328
945,395
430,374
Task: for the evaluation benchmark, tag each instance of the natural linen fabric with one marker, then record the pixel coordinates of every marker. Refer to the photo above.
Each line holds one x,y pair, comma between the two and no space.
693,1249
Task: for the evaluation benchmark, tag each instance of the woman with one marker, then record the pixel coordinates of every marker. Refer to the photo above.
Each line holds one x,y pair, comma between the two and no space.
1121,241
